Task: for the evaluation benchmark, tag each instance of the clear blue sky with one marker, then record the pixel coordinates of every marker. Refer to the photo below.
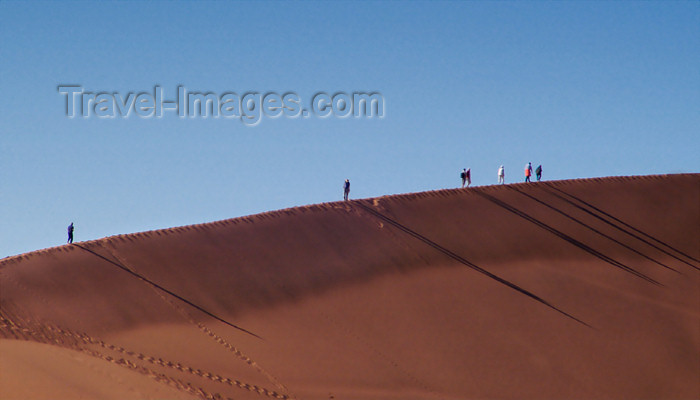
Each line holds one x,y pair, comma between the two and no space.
584,88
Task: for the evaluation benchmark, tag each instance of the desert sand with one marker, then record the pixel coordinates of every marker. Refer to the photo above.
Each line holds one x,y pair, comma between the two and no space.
578,289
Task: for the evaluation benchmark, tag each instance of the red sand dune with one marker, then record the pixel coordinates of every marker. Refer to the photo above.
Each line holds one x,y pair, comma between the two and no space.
583,289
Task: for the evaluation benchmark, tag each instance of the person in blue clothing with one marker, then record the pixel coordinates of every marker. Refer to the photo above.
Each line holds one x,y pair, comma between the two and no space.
346,189
70,233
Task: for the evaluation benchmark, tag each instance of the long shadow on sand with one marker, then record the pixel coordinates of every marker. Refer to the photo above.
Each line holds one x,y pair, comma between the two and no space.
157,286
629,230
461,259
558,211
566,237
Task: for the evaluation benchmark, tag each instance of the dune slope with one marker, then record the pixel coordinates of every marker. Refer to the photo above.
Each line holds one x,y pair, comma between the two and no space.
569,289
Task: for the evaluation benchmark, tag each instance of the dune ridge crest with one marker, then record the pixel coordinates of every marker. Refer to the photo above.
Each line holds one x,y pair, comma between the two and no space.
322,206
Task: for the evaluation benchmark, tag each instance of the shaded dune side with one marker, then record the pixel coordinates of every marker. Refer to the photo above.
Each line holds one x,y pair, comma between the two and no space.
558,247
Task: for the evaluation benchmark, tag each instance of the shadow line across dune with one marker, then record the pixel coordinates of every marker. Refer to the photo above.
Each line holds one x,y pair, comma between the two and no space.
558,211
462,260
627,231
567,238
148,281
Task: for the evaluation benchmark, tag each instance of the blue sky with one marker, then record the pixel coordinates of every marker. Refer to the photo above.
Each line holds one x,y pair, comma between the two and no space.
584,88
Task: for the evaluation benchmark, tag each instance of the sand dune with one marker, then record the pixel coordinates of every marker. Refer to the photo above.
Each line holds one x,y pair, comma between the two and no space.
582,289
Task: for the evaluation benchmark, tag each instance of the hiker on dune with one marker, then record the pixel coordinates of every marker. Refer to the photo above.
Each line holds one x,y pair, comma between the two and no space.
70,233
501,175
346,188
466,177
528,172
538,172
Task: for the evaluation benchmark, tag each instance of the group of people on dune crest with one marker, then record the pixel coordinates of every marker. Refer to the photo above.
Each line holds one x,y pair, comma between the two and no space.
466,174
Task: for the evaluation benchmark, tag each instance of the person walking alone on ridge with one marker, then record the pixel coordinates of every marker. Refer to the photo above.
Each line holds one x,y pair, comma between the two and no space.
528,172
346,189
70,233
501,175
538,172
466,177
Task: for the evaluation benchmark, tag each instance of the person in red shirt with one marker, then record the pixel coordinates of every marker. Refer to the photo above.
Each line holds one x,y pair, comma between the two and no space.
528,172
